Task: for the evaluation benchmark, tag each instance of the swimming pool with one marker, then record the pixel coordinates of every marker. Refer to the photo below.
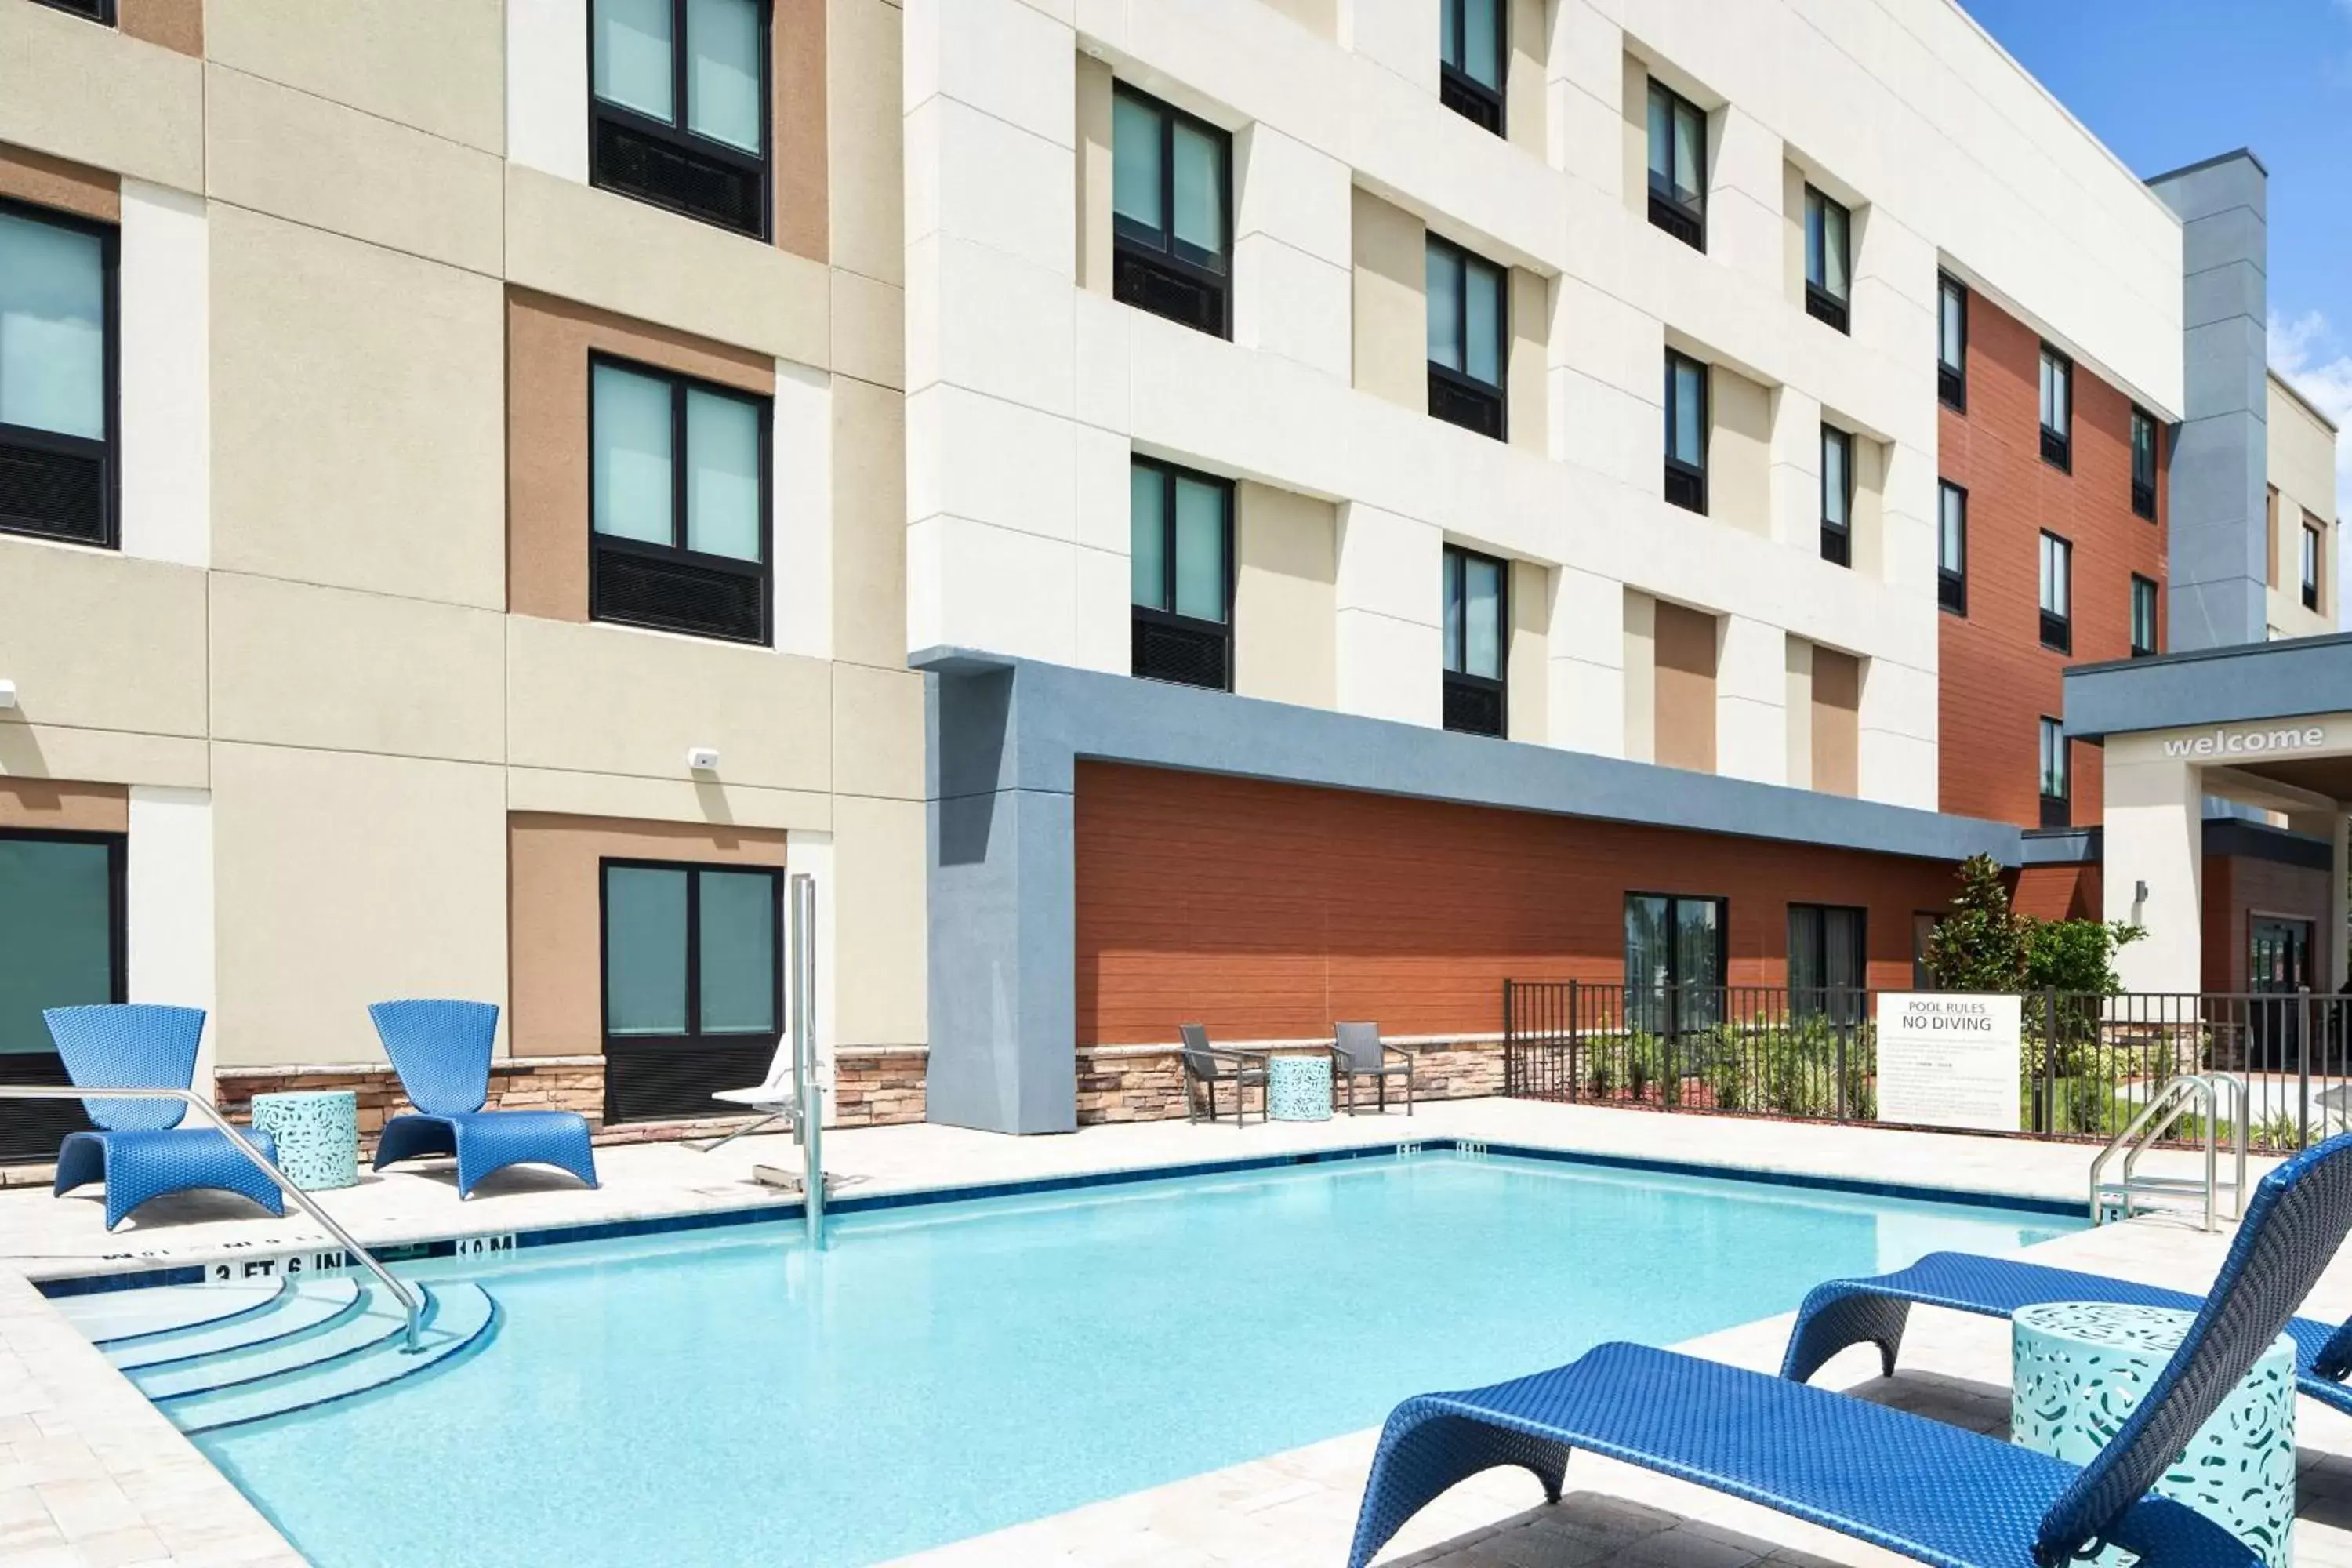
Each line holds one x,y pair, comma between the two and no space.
938,1371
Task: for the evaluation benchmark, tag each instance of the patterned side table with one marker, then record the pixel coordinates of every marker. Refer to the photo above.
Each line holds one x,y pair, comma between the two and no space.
2082,1367
318,1136
1298,1088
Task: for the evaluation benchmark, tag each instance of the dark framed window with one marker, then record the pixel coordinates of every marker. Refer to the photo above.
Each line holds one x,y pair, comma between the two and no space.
2057,408
2312,551
2143,617
2057,787
2057,594
1677,165
679,491
1829,279
1952,547
694,990
1952,341
1477,634
99,11
1686,432
60,400
1180,568
1471,55
1675,961
1828,960
62,943
1171,194
1837,496
1467,320
2143,454
677,107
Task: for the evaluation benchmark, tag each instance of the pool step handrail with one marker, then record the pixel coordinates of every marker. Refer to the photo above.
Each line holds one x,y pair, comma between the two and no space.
411,1302
2206,1094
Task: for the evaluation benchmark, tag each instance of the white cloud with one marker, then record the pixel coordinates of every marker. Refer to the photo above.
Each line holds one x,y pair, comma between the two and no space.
2308,353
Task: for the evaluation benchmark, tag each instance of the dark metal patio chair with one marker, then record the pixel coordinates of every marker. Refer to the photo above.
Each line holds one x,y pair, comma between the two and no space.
1358,1051
1210,1066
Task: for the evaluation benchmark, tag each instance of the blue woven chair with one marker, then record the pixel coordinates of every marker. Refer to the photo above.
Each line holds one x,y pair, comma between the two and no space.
141,1150
1939,1493
442,1052
1873,1310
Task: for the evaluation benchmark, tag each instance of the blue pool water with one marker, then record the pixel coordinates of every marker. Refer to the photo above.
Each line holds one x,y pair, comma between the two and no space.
730,1396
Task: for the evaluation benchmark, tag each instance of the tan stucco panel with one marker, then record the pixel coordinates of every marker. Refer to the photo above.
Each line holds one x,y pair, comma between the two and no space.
1391,303
570,239
117,756
57,183
1740,451
298,665
1836,722
1792,235
605,699
1524,87
796,117
439,67
870,523
548,341
1286,598
54,69
46,806
342,878
880,929
1528,653
1641,643
1530,422
175,25
1094,172
865,136
878,731
554,936
102,641
1686,652
1870,460
869,329
711,801
357,414
1320,17
1635,87
284,151
1797,703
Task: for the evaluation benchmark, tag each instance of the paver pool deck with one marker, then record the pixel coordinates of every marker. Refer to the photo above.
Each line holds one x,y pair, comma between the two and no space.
91,1474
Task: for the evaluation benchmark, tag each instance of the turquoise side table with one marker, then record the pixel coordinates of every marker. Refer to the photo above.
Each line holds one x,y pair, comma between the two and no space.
2082,1367
318,1136
1298,1088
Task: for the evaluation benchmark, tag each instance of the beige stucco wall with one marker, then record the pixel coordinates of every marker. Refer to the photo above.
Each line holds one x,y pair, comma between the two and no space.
1094,171
1528,653
2302,451
1797,704
1740,451
1528,422
1392,303
1640,677
1634,104
1525,88
1286,606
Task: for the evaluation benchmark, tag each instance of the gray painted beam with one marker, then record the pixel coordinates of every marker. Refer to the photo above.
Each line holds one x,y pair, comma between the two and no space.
2286,679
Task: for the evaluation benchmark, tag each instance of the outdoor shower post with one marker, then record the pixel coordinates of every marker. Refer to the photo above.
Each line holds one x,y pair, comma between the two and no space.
809,1089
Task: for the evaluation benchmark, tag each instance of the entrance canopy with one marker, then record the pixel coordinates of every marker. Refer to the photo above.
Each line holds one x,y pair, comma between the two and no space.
2267,726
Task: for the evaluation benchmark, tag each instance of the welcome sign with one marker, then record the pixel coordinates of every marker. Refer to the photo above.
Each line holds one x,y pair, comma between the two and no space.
1949,1060
2247,742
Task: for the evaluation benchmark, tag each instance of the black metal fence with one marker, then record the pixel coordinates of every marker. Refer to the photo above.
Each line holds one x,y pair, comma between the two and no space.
2088,1062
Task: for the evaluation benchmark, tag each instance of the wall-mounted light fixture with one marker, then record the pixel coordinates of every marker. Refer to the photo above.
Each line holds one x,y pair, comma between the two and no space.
703,759
8,694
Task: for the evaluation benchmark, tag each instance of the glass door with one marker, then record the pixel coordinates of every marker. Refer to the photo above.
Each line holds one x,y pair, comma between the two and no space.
2278,965
60,945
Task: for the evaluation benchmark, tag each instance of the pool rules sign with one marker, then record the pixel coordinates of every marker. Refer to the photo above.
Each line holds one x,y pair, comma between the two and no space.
1949,1060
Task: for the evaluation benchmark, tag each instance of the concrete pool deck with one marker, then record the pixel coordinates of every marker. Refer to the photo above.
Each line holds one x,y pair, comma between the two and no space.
92,1473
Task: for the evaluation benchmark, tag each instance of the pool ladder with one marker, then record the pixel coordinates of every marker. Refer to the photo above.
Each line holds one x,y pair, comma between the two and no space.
2208,1095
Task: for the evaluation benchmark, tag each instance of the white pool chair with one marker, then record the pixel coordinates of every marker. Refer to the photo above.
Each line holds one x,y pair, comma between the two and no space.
773,1100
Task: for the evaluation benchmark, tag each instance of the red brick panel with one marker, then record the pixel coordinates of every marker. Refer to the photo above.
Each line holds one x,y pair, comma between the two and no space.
1268,911
1997,677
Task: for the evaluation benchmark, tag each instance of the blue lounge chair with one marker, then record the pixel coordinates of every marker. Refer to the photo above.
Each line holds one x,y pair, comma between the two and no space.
442,1052
1873,1310
1939,1493
141,1150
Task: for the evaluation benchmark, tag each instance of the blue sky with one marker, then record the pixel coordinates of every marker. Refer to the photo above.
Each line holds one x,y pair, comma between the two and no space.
2167,82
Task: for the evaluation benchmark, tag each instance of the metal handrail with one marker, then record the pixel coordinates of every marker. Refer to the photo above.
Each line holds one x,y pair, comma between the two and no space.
2156,1120
412,1303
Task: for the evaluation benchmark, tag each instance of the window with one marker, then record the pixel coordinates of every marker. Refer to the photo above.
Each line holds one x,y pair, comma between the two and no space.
1171,177
1180,528
1470,61
2057,408
2143,612
1827,962
1677,166
1828,287
693,991
100,11
1686,432
679,111
1837,497
1466,355
2311,550
1674,962
678,498
57,402
1952,341
2144,463
2056,809
62,943
1952,547
1477,616
2057,594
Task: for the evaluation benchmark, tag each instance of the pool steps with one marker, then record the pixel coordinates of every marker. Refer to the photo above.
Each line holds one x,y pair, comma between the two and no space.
211,1356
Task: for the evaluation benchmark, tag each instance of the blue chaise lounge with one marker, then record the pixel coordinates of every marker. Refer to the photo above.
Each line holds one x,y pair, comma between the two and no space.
442,1052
